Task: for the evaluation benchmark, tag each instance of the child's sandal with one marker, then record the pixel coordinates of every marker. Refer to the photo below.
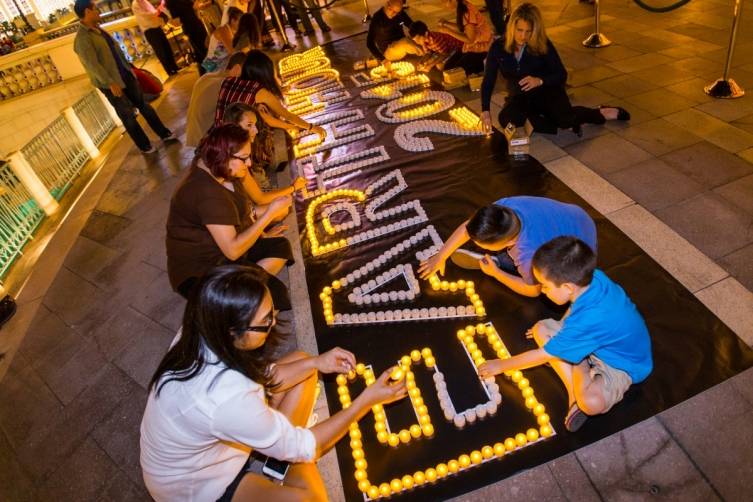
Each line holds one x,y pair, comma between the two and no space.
575,418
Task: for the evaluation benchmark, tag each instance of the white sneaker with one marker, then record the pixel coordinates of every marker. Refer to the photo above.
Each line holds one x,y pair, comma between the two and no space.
149,150
170,137
466,259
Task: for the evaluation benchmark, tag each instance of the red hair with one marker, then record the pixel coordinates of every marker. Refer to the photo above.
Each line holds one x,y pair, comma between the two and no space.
217,147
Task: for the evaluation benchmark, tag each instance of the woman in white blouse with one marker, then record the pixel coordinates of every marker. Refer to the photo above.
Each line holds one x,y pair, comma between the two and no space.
215,397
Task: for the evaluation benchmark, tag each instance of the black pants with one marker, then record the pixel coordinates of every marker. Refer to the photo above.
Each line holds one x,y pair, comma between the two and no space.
471,62
496,15
272,247
548,108
197,35
161,45
132,98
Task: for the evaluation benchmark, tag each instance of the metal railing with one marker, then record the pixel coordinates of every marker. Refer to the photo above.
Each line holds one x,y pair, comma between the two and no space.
19,217
93,115
56,155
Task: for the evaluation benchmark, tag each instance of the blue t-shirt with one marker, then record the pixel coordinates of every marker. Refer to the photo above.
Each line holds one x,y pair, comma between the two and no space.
604,322
541,220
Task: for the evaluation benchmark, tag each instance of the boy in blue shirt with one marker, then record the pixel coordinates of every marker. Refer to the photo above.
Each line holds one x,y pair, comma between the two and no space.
599,348
512,228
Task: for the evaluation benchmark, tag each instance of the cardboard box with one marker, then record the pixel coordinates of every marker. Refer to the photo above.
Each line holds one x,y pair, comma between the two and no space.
474,82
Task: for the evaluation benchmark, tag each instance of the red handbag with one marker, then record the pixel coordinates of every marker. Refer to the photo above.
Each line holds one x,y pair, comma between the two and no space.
149,83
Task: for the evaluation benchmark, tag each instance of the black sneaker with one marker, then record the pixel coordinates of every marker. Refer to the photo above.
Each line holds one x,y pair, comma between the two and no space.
7,309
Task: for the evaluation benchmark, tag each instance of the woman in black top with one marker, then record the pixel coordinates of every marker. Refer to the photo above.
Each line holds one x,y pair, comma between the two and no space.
218,215
535,78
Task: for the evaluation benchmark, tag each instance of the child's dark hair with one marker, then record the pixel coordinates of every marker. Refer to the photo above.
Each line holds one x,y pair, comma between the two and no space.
566,259
493,223
234,112
418,28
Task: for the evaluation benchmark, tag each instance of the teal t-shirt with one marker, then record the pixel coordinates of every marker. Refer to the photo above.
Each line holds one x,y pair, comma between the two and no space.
604,322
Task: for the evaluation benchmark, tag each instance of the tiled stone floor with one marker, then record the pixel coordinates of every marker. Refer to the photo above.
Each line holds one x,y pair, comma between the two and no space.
677,179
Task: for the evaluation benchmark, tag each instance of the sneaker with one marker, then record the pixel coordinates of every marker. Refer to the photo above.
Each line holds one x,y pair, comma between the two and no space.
466,259
575,418
7,309
149,150
170,137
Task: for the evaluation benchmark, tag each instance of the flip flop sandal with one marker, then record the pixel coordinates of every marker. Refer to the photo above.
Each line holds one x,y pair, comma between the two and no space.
466,259
575,418
622,114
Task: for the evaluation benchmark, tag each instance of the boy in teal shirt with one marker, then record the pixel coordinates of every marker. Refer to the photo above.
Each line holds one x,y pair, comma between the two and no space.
599,348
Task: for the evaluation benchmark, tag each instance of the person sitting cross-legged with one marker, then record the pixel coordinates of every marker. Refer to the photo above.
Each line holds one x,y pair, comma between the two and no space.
386,39
600,347
445,49
471,28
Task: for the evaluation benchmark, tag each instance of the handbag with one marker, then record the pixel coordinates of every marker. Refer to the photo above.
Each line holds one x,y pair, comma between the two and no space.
150,85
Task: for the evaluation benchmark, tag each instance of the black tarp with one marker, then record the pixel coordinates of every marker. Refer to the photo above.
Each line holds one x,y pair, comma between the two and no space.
692,349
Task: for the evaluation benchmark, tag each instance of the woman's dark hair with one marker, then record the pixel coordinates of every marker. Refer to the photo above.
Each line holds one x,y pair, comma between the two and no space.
233,13
565,259
249,32
493,223
218,146
460,12
224,301
259,68
234,112
418,28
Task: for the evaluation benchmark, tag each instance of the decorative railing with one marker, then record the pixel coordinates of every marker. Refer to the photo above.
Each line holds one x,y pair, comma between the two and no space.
56,155
19,217
28,76
36,176
94,117
48,63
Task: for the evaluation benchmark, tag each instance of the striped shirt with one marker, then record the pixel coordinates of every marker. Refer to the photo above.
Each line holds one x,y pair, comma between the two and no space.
235,90
442,43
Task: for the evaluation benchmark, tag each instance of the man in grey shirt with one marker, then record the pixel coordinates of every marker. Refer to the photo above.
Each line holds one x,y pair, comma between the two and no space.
111,73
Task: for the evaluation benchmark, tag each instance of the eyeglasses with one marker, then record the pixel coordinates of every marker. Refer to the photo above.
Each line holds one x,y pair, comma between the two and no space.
247,158
259,328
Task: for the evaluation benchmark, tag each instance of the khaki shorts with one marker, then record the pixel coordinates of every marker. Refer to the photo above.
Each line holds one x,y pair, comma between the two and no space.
615,382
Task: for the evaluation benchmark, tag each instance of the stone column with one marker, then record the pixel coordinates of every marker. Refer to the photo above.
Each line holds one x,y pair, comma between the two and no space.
81,134
33,184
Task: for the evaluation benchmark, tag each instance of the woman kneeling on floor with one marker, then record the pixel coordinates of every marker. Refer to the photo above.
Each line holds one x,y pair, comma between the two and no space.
217,396
535,78
219,214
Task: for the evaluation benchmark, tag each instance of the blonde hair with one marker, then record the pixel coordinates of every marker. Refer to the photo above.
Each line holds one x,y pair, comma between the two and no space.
532,15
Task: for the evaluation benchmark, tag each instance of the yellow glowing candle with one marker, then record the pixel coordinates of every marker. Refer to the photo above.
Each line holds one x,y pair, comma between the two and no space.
464,461
510,444
407,482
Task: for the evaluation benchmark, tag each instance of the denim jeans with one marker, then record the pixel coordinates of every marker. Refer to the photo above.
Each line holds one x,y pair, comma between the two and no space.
133,98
